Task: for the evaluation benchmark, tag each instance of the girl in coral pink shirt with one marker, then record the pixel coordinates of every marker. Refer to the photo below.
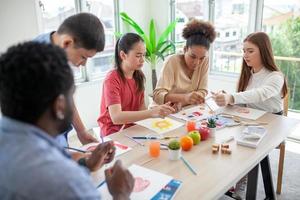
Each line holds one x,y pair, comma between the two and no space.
122,101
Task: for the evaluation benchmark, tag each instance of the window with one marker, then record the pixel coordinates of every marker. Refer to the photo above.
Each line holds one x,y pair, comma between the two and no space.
53,13
281,21
231,21
102,62
185,10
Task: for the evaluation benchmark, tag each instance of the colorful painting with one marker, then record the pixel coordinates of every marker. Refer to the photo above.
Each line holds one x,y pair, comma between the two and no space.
160,125
196,113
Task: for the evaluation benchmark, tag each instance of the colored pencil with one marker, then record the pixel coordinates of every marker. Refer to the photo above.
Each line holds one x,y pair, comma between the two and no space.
188,165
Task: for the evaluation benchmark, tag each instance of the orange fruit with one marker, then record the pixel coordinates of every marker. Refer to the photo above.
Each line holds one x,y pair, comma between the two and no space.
186,143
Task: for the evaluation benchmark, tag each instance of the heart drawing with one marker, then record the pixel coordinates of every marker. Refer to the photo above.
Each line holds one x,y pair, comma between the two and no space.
140,184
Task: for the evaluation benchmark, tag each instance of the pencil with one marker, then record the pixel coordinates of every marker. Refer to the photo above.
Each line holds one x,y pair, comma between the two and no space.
188,165
134,140
102,183
75,149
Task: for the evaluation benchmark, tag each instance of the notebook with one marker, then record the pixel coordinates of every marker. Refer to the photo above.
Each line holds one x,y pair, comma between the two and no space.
251,136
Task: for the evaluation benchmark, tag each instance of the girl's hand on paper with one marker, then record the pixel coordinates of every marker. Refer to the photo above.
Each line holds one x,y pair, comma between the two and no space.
162,110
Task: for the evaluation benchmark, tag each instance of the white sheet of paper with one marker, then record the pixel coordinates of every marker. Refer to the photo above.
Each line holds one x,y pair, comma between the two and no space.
160,125
196,113
210,102
251,113
147,183
120,148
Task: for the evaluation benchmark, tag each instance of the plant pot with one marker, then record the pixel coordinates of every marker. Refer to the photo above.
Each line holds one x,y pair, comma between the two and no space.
174,154
212,132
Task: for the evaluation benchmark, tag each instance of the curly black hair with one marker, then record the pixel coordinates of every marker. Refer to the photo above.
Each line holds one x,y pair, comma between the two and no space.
86,29
32,75
198,32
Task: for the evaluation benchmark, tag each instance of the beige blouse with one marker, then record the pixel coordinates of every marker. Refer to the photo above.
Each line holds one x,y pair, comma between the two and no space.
173,79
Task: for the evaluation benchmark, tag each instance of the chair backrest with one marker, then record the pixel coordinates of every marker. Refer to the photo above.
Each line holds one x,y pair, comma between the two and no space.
286,104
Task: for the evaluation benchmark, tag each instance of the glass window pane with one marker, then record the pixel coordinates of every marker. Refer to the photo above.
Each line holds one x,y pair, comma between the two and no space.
281,21
102,62
54,12
231,22
185,10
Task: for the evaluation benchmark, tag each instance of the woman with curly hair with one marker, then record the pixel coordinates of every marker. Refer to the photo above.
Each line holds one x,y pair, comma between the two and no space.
183,79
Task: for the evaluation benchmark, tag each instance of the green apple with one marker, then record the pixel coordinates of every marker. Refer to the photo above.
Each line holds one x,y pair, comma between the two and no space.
195,135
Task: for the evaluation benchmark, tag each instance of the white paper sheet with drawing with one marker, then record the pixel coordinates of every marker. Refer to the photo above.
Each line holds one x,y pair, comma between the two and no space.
160,125
147,183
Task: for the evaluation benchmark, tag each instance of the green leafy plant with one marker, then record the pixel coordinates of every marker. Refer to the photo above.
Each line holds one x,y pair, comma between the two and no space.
211,123
157,47
174,145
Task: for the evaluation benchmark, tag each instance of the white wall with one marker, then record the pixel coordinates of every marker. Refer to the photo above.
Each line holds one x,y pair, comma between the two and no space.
18,22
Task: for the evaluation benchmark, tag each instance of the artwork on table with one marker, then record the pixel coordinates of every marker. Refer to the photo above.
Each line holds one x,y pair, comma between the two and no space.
160,125
147,183
221,122
243,112
120,148
196,113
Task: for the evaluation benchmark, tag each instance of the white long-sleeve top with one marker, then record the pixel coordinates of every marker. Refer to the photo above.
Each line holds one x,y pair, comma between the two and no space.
263,91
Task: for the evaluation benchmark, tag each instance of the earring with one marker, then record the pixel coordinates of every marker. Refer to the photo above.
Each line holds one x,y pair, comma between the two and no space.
60,115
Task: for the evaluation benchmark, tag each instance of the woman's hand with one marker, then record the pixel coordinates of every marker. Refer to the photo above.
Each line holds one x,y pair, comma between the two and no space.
162,110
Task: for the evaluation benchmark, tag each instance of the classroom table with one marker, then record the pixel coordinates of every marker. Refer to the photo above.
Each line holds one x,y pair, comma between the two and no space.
216,173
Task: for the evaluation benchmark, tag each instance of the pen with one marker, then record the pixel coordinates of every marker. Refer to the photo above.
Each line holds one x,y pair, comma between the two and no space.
188,165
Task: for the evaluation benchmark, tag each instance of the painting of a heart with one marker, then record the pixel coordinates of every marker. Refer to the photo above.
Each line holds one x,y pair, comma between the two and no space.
140,184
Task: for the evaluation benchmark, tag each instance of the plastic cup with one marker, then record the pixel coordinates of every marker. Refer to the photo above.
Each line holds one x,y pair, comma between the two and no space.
154,148
190,125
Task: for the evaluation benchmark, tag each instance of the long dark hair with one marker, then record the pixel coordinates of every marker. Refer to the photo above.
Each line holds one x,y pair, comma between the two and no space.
262,41
125,44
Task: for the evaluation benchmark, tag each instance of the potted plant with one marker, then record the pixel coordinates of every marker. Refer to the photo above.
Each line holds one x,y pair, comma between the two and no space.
157,47
211,124
174,150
